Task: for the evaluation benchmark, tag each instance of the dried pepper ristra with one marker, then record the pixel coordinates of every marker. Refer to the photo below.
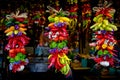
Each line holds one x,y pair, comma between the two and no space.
104,40
16,35
58,36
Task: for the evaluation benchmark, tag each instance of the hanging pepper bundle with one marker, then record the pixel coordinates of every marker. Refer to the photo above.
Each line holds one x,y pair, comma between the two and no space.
58,36
73,10
73,4
39,16
86,15
17,39
103,37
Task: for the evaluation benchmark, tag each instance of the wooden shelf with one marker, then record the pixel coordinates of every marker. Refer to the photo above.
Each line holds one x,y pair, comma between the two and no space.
81,68
108,76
